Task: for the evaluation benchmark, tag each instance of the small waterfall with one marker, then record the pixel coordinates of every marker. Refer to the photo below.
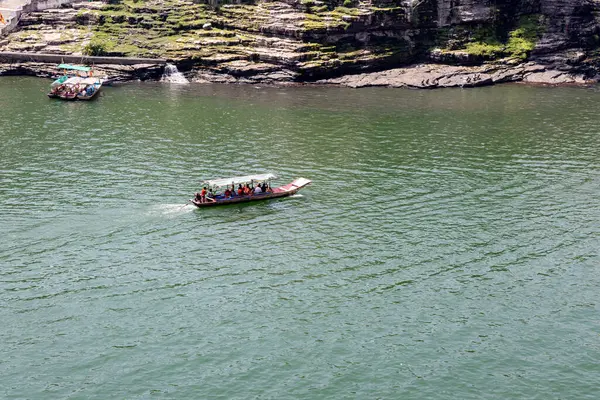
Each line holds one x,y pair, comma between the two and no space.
172,75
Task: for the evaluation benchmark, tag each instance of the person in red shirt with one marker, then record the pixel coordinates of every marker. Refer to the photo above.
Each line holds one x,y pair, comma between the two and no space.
203,195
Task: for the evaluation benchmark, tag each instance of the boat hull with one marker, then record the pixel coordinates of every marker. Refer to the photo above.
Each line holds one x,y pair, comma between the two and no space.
71,97
283,191
87,98
93,95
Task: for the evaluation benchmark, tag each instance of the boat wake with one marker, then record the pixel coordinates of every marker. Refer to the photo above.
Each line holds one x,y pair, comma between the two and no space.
172,209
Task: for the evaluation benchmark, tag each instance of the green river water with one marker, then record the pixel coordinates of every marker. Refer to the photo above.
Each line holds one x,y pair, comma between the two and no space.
448,247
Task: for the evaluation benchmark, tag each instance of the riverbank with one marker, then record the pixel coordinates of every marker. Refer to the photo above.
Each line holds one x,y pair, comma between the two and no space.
421,76
431,76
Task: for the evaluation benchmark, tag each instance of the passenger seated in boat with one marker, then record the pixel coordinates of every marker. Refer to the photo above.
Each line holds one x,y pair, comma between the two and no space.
247,190
210,196
198,197
240,190
268,189
257,189
227,193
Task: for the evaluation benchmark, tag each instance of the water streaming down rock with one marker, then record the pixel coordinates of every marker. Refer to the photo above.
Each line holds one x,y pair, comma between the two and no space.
172,75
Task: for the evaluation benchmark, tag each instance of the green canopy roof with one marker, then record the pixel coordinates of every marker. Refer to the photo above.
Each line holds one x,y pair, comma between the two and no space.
74,67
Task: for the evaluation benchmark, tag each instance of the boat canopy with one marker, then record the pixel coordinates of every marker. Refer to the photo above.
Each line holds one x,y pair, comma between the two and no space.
73,80
74,67
90,81
236,180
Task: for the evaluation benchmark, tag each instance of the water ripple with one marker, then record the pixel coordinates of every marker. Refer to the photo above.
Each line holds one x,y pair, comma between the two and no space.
442,229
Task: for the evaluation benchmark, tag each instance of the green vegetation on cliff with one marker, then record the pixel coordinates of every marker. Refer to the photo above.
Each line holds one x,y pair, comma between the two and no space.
487,42
269,32
522,40
305,38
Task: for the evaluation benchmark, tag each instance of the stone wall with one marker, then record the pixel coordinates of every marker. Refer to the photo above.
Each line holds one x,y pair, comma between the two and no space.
7,56
39,5
11,17
12,10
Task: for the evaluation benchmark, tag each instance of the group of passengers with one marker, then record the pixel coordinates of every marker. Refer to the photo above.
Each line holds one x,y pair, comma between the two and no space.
247,190
63,90
243,190
72,90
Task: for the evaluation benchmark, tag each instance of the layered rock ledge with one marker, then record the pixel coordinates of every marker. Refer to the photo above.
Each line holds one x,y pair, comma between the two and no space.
430,76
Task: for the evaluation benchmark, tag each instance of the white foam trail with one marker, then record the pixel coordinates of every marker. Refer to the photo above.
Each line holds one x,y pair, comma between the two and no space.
172,209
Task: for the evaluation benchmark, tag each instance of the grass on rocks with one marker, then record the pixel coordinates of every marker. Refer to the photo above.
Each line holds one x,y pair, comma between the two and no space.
484,42
269,32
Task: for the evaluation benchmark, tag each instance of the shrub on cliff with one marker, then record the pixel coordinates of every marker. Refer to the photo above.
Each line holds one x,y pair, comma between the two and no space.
485,41
94,49
522,40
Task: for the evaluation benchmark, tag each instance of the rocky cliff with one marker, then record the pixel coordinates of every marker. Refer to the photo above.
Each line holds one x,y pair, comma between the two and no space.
418,43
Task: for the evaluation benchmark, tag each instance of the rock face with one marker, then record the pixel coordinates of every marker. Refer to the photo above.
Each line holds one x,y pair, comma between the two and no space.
431,76
416,43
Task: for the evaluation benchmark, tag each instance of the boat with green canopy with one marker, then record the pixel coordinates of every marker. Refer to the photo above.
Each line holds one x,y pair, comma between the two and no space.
77,83
241,189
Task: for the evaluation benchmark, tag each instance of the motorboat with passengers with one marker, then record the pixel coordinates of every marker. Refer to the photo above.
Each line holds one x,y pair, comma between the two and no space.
241,189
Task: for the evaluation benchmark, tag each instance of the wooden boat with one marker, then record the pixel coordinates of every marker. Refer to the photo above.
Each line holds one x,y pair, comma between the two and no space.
77,83
55,87
90,89
220,198
67,95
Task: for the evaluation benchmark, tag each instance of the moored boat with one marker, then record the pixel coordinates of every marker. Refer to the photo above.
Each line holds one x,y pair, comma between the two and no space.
77,83
90,89
219,191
